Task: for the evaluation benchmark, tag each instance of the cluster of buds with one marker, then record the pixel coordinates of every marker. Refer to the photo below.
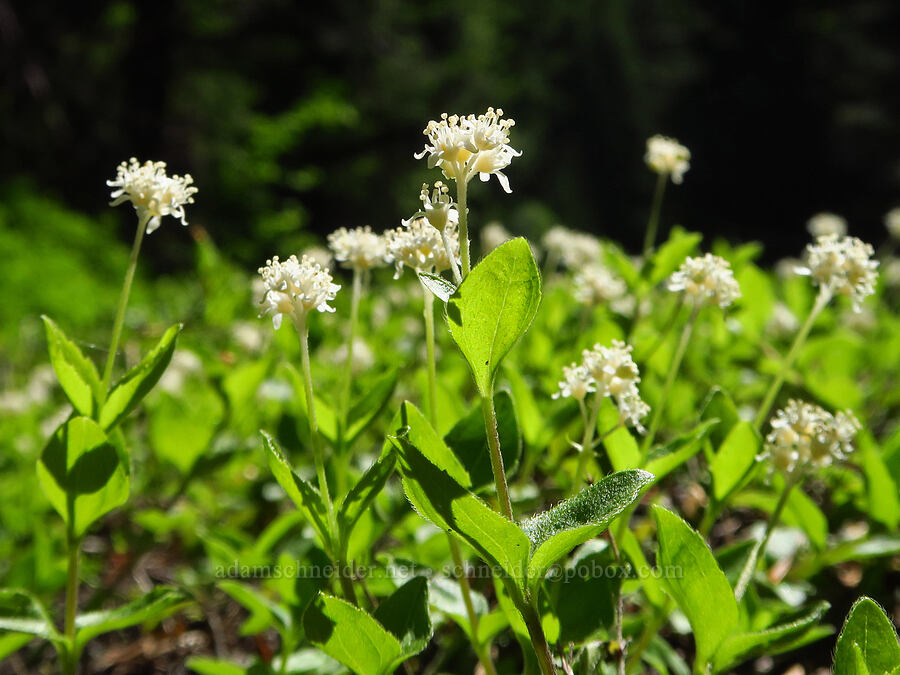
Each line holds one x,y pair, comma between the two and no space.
826,223
666,156
842,266
419,245
612,372
152,193
463,146
596,284
706,280
572,248
358,249
806,436
892,222
294,287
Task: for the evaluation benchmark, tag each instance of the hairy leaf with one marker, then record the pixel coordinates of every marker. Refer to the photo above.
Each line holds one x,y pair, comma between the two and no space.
76,373
867,643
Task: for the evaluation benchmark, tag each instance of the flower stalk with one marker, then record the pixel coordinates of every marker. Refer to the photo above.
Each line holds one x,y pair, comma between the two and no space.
143,219
655,210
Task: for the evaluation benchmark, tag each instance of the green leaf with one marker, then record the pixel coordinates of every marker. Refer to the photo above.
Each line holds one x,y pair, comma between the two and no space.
405,615
671,254
621,447
152,607
804,511
182,429
367,408
10,643
674,454
365,490
558,530
82,473
128,392
417,431
882,492
204,665
738,648
868,630
439,497
264,612
584,596
349,635
734,459
305,496
76,373
440,287
493,307
694,580
468,441
21,612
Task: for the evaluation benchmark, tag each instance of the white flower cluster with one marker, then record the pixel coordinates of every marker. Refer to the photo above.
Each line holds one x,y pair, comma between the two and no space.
595,284
493,235
667,156
842,265
612,372
573,249
151,191
418,245
463,146
826,223
806,436
296,286
359,248
892,222
706,280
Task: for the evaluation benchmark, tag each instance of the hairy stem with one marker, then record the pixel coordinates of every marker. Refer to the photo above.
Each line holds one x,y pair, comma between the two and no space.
655,208
461,198
539,640
587,441
493,437
123,302
760,547
656,419
764,409
481,651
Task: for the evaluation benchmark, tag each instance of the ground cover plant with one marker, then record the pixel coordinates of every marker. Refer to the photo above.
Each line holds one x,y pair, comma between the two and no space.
442,448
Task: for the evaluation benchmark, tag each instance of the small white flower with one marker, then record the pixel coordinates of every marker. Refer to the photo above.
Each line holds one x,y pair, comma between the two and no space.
573,249
892,272
151,191
493,235
437,206
595,284
805,436
783,321
296,286
892,222
616,375
706,280
418,245
842,265
320,255
668,156
358,249
577,383
465,146
826,223
248,335
184,363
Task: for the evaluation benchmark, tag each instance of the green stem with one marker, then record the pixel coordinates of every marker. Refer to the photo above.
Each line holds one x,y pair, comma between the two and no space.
656,419
482,651
655,208
587,441
651,628
429,348
355,295
764,409
464,587
490,426
461,198
123,302
74,546
451,256
760,547
539,640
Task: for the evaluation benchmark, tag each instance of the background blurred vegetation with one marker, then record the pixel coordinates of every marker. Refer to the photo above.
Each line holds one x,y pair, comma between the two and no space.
296,118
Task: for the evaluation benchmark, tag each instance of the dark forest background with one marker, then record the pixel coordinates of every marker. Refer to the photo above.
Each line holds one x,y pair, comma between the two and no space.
297,117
